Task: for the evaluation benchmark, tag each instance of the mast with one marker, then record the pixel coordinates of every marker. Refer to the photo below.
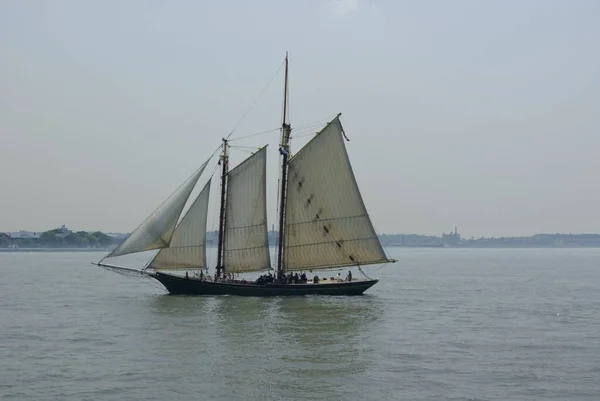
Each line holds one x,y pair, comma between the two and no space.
225,167
284,149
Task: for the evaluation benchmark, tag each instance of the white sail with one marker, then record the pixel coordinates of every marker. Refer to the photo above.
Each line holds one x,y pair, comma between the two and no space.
246,246
156,231
187,249
327,224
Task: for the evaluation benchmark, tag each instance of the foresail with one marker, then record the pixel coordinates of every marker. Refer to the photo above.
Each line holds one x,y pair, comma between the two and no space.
156,231
187,249
246,246
327,224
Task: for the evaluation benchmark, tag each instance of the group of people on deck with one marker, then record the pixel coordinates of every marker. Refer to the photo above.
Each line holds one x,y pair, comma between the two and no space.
265,278
295,279
285,279
348,277
269,278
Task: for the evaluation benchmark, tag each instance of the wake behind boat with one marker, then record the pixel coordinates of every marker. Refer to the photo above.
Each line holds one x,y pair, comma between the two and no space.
323,225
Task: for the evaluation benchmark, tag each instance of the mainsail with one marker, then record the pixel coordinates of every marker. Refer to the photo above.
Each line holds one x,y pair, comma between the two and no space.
156,231
246,246
187,249
326,222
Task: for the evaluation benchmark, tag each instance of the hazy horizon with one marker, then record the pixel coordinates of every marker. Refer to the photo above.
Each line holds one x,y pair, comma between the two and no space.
75,229
477,115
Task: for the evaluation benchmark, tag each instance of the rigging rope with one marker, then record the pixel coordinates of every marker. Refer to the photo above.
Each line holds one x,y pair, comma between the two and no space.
313,124
363,273
257,148
141,277
256,134
255,101
303,130
247,150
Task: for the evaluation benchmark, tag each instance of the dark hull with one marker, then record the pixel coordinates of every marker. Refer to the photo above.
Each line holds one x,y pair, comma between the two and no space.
193,286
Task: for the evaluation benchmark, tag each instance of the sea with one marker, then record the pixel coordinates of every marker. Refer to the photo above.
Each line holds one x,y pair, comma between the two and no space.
442,324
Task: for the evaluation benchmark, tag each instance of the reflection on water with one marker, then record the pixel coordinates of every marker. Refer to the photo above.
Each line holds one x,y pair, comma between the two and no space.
289,341
315,321
324,342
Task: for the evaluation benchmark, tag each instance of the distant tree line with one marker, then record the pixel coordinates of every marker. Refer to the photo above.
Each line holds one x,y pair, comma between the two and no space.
56,239
62,238
534,241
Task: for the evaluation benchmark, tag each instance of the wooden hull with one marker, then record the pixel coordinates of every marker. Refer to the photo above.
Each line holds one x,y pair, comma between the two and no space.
193,286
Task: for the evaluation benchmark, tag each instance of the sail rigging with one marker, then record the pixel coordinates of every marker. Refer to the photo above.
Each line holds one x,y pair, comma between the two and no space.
326,222
323,223
246,245
187,249
157,229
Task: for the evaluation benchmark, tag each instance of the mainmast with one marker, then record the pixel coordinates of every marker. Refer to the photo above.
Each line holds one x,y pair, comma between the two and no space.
284,149
225,170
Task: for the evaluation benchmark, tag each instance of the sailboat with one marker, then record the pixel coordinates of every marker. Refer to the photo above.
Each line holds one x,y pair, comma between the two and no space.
323,225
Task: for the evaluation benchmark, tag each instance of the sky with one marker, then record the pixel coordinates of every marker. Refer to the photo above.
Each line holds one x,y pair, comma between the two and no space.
481,115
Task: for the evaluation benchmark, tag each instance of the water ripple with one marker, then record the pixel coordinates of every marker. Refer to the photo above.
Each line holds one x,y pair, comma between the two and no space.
446,324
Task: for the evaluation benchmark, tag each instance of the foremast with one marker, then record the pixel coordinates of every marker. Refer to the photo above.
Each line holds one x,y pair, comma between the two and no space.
224,170
284,149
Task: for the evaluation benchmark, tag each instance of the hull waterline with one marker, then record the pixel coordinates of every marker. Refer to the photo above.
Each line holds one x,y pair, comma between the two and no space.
194,286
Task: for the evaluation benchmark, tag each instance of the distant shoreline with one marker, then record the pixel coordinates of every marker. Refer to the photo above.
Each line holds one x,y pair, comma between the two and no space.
14,250
63,239
106,250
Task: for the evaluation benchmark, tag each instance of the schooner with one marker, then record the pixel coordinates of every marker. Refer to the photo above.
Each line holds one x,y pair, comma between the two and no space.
323,224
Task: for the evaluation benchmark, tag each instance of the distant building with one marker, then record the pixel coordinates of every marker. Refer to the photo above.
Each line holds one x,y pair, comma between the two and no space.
14,238
452,238
63,232
22,234
118,236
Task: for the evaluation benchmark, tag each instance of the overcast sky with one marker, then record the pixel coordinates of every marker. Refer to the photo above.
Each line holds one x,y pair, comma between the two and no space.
480,114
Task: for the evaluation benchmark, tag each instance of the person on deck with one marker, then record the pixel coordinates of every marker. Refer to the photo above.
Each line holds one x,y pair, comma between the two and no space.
349,277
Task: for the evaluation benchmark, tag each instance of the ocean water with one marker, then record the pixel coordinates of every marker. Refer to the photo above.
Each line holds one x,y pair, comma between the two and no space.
443,324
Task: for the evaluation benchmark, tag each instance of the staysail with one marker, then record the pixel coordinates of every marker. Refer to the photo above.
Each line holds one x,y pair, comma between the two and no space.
156,231
326,222
246,246
187,249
